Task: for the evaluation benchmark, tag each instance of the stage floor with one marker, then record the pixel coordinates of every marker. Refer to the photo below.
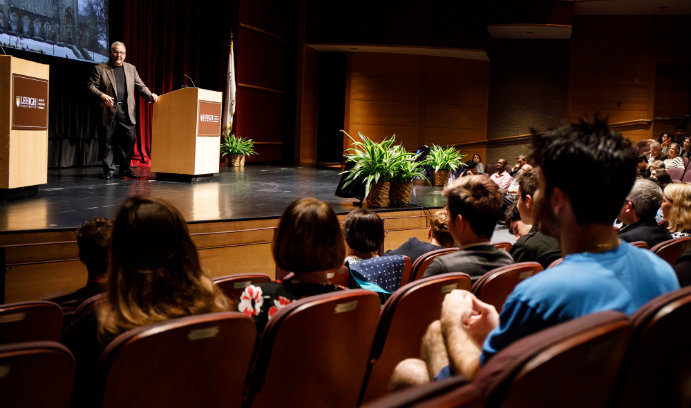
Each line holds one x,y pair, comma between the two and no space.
75,195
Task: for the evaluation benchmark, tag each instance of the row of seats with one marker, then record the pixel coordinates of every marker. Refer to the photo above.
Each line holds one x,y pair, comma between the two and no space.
598,360
344,329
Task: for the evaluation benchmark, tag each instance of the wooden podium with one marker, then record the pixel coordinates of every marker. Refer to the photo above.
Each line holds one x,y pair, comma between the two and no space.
186,133
23,123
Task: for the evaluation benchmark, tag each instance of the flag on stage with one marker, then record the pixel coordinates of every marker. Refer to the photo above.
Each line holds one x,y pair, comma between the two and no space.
229,110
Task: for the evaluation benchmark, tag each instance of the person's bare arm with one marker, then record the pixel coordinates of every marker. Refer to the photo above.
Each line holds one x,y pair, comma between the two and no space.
466,321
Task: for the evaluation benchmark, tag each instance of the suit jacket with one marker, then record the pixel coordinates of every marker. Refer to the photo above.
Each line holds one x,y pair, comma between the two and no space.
645,230
102,81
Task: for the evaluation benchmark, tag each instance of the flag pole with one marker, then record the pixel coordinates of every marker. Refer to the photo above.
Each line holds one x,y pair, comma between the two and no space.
230,94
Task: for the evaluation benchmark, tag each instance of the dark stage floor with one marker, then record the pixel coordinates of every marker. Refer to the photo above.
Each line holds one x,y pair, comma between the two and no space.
72,196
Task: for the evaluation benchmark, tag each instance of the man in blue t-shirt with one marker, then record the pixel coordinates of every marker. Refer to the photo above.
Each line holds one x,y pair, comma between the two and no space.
585,172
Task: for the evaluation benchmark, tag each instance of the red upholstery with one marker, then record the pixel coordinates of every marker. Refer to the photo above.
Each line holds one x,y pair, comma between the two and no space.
506,246
87,305
572,364
640,244
337,276
36,374
670,250
656,371
555,262
193,361
404,319
30,321
494,286
314,351
450,392
687,176
233,285
422,262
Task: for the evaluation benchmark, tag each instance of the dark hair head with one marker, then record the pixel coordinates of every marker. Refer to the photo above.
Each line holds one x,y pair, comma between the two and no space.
308,237
593,165
512,214
478,200
364,230
93,240
527,183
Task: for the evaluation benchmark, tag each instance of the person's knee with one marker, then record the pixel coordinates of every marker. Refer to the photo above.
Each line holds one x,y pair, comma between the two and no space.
407,373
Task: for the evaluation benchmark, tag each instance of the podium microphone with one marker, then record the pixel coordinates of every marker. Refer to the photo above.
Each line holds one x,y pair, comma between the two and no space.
188,77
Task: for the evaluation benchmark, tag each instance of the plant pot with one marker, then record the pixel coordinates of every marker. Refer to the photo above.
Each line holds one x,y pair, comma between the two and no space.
236,160
440,177
379,195
400,193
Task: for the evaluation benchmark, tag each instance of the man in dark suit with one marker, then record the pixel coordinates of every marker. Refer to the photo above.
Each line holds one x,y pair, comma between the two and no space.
638,213
115,84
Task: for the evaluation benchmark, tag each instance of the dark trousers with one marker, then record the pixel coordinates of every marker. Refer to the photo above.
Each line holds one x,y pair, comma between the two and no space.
118,142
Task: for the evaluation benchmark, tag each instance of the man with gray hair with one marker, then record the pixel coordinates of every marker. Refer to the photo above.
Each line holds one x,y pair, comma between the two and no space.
115,83
638,214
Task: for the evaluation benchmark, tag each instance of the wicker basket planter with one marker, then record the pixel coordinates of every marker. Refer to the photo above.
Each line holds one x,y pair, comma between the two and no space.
399,193
379,195
236,160
440,178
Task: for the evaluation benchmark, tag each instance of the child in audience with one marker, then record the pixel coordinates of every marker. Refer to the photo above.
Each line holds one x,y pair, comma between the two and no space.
676,209
309,243
93,240
154,275
364,234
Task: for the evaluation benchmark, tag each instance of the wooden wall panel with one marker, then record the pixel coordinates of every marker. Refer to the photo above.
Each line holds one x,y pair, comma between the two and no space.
424,100
613,71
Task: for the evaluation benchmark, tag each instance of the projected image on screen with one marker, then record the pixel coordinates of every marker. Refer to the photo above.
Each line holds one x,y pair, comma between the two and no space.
76,29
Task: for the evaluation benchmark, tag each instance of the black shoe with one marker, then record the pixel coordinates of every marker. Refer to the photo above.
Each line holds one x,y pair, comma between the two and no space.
128,174
107,177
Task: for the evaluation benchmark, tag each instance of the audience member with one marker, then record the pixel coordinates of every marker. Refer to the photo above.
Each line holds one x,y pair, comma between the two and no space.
93,240
474,166
673,157
521,161
598,272
512,220
534,246
665,142
643,167
683,268
676,209
686,150
364,234
680,134
474,207
655,153
154,276
438,236
638,215
308,243
502,178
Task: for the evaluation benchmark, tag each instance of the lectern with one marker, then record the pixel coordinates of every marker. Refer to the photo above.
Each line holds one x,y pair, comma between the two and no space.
186,132
23,123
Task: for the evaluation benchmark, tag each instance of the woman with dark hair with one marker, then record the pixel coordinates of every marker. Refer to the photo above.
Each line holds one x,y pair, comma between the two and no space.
474,166
364,234
309,244
154,275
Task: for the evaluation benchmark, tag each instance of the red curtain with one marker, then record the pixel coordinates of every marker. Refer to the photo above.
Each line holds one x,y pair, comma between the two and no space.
167,41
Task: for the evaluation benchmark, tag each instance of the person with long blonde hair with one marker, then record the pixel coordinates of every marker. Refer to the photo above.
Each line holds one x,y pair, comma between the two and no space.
676,209
154,275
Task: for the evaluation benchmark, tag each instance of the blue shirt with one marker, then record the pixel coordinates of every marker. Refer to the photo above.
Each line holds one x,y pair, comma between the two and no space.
622,279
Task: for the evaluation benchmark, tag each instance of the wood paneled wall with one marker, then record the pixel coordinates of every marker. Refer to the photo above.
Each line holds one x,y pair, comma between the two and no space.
613,67
422,99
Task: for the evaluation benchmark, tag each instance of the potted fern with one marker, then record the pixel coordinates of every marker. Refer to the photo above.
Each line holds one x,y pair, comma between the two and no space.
406,169
238,148
443,160
373,165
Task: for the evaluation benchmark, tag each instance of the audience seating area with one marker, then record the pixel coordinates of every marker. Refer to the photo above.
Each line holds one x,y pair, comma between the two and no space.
340,348
670,250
